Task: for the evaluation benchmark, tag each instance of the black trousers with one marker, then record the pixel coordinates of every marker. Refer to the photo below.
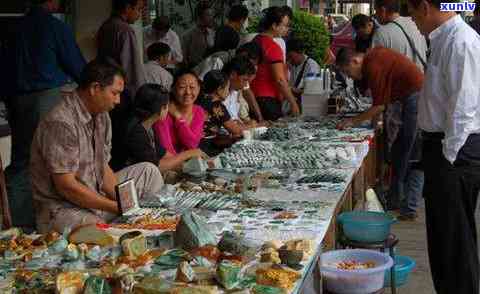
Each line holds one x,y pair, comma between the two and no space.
270,107
119,118
451,193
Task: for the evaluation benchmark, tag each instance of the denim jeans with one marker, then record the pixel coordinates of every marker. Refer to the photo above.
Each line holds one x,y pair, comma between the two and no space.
407,183
412,191
24,114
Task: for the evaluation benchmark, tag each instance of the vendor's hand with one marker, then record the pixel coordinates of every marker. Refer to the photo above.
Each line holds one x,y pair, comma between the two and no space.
345,124
250,124
198,153
265,123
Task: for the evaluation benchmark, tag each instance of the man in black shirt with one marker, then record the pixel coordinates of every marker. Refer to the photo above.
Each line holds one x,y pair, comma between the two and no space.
236,19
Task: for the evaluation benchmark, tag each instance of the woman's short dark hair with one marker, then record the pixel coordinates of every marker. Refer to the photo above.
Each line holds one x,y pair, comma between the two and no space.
157,50
272,15
120,5
149,100
238,13
240,65
251,50
99,71
214,80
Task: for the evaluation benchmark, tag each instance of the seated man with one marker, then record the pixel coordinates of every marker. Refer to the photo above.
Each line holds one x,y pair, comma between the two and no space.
155,72
239,71
71,180
248,102
300,66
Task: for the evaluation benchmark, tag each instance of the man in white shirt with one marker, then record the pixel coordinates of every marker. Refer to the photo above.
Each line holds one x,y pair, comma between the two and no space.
300,66
155,73
449,115
393,32
161,31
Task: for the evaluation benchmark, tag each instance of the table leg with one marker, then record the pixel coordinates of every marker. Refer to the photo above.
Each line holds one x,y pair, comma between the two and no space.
393,286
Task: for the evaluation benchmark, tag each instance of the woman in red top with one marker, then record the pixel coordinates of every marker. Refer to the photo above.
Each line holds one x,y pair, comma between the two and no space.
270,85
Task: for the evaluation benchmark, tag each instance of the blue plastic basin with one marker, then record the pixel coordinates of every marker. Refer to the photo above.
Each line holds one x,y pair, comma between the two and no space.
403,267
366,226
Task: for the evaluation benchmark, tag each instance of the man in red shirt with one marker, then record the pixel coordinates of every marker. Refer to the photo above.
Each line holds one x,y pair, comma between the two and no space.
394,82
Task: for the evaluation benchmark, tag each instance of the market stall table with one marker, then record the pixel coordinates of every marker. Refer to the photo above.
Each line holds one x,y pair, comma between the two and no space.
323,172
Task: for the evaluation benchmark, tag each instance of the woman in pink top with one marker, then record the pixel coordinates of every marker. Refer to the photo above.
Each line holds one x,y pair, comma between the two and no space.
183,128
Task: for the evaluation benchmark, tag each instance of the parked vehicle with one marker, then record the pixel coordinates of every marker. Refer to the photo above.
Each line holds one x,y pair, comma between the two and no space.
339,19
343,38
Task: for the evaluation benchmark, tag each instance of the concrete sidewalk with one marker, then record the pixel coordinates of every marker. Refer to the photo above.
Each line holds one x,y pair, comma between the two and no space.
413,243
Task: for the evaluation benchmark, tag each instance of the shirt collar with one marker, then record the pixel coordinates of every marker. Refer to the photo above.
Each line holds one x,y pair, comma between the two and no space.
444,28
83,114
306,58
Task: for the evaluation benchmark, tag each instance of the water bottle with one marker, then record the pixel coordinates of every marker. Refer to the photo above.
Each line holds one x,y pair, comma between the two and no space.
309,82
328,78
